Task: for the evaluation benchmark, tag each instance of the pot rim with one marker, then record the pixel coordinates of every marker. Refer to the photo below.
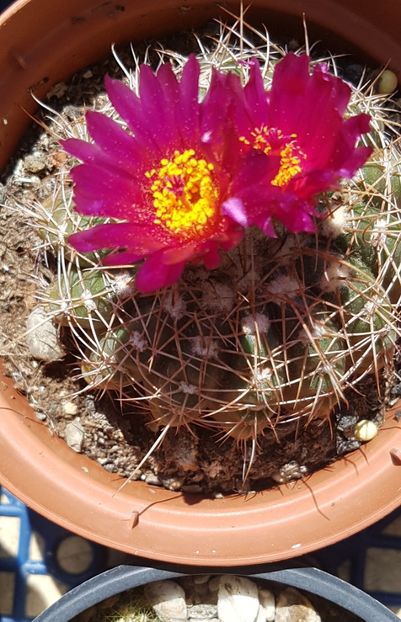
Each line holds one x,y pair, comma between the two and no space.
122,578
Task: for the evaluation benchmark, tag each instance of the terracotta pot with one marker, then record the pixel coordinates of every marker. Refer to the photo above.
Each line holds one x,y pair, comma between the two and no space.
43,41
118,580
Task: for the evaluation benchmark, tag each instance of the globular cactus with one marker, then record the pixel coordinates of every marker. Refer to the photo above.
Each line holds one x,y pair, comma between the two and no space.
244,347
280,331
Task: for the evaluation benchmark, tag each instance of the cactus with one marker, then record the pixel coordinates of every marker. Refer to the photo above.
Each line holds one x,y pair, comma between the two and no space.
280,331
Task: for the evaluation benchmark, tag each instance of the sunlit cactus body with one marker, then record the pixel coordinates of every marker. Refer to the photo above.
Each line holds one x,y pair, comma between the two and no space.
280,331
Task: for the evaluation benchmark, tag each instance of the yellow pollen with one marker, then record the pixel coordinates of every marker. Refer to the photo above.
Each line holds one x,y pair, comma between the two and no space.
290,164
184,193
265,139
259,139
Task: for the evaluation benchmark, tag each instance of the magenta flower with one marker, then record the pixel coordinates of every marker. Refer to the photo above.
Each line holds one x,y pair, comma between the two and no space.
296,144
165,177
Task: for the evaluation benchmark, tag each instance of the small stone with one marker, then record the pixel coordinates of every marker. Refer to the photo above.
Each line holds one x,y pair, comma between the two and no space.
69,408
111,468
168,600
74,435
292,606
202,612
152,479
346,424
365,430
291,470
267,605
388,82
172,483
103,461
346,445
41,416
42,336
396,389
35,163
237,599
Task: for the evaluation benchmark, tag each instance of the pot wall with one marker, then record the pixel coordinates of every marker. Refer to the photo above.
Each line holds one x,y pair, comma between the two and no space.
43,41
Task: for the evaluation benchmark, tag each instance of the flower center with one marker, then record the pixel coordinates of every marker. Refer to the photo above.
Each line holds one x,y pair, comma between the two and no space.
184,193
272,141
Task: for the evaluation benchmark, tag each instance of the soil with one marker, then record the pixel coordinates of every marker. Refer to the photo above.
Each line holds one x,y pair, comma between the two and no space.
113,434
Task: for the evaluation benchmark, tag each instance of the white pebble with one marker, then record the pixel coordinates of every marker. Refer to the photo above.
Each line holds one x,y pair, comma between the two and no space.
267,605
292,606
168,600
388,82
69,408
237,599
42,336
74,435
365,430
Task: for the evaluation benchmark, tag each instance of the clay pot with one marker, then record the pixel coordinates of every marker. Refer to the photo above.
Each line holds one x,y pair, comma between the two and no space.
116,581
44,41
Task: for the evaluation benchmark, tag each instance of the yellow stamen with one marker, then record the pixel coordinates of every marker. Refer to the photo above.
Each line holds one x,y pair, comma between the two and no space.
184,193
260,139
265,139
290,164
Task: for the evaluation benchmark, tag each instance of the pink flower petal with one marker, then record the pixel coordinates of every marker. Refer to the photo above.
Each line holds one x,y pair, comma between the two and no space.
156,113
87,152
126,258
188,111
256,97
179,254
104,208
107,185
114,141
212,258
171,93
154,275
132,236
214,106
235,209
129,108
